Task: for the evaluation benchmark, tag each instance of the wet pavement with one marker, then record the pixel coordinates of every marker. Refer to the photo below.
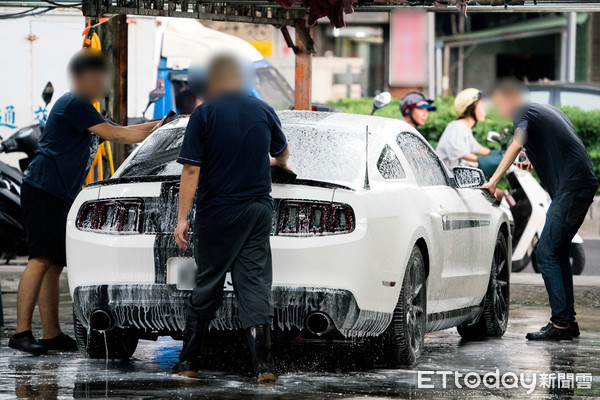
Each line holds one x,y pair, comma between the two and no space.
315,373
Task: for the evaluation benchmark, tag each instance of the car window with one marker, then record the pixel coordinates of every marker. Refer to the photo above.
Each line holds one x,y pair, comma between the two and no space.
274,89
584,100
540,96
423,161
388,164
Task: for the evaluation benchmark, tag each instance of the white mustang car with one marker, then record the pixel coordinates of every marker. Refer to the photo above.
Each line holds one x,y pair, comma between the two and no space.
375,241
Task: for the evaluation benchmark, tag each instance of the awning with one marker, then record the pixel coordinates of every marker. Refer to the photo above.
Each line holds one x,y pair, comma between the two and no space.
185,37
519,30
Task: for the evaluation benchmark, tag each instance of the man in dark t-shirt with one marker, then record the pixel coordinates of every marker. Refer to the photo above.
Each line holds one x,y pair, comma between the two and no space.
66,151
559,157
225,156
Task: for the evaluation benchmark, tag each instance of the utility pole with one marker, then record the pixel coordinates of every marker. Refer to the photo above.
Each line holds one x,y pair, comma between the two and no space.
113,37
303,49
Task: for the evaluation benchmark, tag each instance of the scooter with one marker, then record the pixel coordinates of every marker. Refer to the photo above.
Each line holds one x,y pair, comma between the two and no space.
25,140
526,203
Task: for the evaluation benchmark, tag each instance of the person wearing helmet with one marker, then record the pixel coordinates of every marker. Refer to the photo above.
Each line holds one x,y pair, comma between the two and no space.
415,108
458,146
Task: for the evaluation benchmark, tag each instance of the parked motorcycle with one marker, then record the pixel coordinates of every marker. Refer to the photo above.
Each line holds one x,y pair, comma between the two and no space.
25,140
526,204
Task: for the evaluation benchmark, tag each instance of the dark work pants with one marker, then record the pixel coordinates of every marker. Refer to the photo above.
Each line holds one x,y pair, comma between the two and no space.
239,243
563,219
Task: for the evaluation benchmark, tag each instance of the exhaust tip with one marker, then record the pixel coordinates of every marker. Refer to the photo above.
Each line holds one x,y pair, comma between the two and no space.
101,320
318,323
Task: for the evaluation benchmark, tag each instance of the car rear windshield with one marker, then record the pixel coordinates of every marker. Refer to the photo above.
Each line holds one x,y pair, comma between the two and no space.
156,156
317,153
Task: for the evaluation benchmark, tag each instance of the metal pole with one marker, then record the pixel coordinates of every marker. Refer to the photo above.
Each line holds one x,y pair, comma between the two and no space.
431,55
563,56
571,47
446,73
438,69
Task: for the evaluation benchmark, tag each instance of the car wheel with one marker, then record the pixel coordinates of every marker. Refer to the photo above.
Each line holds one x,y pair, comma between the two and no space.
576,258
121,342
405,335
493,321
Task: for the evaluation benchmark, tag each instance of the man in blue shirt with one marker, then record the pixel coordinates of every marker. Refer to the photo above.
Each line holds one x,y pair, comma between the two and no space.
559,157
66,151
229,138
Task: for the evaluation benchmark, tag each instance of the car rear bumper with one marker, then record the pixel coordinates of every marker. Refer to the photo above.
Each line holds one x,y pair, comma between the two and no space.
161,308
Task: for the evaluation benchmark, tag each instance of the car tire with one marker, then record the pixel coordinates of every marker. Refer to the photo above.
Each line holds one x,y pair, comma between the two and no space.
405,336
494,319
576,257
121,342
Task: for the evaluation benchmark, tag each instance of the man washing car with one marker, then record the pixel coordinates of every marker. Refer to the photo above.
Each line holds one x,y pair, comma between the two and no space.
559,157
225,156
66,151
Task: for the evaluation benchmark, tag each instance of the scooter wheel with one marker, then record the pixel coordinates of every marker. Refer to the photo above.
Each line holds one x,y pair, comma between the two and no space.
576,257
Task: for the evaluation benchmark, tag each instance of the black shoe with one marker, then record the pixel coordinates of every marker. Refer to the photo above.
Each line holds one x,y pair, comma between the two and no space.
259,341
573,327
186,368
25,341
61,342
551,333
194,346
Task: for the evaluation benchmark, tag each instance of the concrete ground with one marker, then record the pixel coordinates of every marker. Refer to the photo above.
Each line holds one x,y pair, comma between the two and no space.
327,372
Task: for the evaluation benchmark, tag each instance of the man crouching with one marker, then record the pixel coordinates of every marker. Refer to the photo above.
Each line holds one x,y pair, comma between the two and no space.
225,156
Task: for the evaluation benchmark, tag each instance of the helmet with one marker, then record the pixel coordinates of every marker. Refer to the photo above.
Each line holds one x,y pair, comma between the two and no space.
415,100
465,99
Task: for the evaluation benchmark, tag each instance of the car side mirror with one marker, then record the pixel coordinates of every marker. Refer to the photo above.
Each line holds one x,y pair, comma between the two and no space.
468,177
381,100
48,93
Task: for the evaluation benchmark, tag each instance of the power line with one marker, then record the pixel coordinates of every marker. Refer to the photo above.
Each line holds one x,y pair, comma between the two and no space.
63,5
27,13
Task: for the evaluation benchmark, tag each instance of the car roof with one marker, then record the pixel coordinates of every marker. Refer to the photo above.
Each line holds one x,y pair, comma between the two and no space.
385,128
349,122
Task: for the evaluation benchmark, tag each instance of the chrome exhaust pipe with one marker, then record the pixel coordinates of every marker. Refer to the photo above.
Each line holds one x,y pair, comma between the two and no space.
318,323
101,320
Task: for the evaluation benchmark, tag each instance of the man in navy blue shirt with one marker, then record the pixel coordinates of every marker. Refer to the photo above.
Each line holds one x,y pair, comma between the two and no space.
559,157
66,151
225,156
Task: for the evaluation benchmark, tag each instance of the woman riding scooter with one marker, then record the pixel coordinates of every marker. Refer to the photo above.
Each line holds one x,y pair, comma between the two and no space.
458,146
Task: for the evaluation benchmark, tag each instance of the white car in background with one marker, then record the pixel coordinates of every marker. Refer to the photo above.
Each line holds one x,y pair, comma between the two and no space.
375,241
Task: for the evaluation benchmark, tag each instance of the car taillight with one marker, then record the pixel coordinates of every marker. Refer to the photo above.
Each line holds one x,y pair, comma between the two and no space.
115,215
300,217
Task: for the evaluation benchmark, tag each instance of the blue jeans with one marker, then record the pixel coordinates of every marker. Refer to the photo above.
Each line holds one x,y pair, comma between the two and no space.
563,219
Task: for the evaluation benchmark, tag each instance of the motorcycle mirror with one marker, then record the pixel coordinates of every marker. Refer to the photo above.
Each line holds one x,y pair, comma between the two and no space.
493,137
382,100
48,93
155,95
